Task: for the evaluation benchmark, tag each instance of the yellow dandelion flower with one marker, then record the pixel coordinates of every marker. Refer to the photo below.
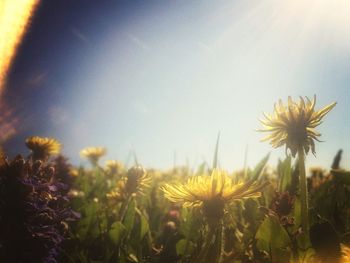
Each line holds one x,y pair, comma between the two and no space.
93,154
294,124
113,166
42,147
73,172
119,193
137,179
211,193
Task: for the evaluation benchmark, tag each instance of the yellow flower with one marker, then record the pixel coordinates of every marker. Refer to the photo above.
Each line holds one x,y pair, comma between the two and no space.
137,179
113,166
93,154
211,193
293,124
43,147
118,193
73,172
345,250
134,182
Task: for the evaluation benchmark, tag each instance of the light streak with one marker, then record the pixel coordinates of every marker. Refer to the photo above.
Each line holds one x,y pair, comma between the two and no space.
14,20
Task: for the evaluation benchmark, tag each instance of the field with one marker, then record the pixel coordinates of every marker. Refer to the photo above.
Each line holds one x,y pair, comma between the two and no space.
52,211
85,84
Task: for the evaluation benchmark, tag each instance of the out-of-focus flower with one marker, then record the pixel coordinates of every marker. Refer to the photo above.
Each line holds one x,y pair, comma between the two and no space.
74,172
33,211
283,203
113,167
135,181
63,171
293,124
211,193
42,147
75,193
318,177
345,251
118,193
173,214
93,154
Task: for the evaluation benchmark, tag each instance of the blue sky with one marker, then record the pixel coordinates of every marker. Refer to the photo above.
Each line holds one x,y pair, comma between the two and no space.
167,76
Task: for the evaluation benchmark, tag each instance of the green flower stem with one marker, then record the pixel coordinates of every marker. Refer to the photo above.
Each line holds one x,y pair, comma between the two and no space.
222,243
303,192
207,244
213,248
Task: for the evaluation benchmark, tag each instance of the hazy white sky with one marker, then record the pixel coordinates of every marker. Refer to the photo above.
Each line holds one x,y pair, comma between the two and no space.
171,76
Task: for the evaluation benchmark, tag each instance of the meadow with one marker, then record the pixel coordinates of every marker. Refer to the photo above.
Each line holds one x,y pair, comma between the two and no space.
52,211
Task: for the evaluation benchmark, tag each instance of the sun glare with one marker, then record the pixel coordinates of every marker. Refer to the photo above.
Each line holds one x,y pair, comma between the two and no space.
14,17
326,15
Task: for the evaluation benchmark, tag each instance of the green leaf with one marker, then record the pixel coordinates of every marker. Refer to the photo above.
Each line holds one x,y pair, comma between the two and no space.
87,226
341,176
285,174
259,168
272,233
184,247
189,227
117,233
129,218
144,226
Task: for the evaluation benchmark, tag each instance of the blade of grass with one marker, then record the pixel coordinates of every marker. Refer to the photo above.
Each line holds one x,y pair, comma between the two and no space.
216,152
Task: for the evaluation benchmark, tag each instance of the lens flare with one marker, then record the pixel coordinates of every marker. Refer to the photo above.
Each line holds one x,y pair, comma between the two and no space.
8,123
14,19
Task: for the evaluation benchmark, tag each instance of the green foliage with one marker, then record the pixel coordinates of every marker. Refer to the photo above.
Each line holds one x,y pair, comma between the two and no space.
145,227
284,170
184,247
271,234
190,225
117,232
259,168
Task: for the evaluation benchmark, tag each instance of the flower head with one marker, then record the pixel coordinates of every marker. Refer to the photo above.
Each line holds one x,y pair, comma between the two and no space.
211,193
118,193
135,181
113,166
93,154
283,203
294,124
34,212
43,147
